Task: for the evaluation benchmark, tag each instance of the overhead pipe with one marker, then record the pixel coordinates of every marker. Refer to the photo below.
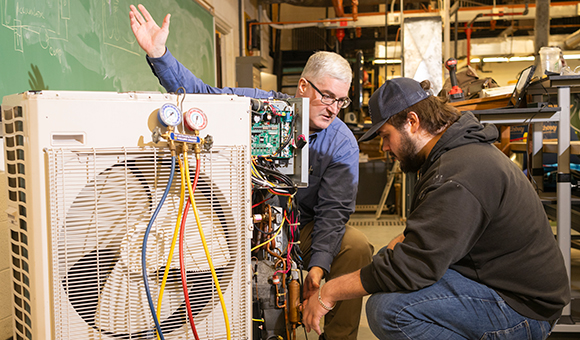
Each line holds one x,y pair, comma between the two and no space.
469,25
304,23
350,17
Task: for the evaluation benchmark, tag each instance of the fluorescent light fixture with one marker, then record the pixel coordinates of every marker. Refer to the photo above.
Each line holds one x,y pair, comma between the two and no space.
387,61
528,58
571,56
502,59
495,60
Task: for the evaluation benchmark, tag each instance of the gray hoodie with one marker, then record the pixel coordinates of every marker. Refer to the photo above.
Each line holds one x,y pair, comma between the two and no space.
474,211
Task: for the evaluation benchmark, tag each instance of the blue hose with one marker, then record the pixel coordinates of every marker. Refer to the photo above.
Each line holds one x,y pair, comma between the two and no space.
144,249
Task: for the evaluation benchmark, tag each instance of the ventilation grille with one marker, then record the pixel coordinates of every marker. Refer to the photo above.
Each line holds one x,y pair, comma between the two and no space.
15,173
366,223
309,39
101,201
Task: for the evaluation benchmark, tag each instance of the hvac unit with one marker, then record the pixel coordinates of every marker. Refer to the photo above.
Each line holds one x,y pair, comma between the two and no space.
85,178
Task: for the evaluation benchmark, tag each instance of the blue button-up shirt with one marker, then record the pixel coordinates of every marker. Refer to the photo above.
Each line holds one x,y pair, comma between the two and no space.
329,199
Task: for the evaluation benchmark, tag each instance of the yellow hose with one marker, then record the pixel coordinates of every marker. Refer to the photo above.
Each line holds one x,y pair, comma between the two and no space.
205,248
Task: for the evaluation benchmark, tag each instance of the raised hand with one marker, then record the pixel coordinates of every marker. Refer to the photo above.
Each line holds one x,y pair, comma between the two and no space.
149,35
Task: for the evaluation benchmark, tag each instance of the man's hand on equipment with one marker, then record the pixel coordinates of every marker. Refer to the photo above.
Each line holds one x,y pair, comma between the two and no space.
312,282
150,37
314,307
313,310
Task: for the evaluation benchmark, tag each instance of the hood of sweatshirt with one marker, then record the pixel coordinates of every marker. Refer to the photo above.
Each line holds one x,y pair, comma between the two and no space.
466,130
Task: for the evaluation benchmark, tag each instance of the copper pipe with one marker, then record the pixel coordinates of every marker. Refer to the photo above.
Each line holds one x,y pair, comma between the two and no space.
355,9
293,301
283,281
271,230
338,8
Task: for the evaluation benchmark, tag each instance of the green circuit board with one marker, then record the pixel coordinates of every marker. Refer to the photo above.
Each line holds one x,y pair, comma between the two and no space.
272,130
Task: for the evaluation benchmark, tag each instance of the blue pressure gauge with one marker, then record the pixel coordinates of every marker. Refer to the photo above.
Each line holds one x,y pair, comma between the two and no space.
169,115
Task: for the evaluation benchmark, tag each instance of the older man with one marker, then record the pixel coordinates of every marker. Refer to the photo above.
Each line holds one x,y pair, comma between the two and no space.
330,247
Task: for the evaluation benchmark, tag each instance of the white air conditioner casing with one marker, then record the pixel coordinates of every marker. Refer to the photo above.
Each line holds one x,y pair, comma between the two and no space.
84,177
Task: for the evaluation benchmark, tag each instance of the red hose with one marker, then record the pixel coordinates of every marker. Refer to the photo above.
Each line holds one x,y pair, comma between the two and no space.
182,257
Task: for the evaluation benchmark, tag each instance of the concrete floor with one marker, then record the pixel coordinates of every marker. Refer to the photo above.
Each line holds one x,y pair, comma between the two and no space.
381,231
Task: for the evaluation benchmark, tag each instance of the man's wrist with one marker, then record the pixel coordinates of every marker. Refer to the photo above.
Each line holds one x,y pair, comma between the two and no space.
328,307
157,53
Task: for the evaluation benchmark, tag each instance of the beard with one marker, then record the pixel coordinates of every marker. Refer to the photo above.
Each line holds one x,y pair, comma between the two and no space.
409,158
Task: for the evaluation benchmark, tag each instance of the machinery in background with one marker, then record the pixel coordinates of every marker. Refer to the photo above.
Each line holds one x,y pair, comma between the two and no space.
95,209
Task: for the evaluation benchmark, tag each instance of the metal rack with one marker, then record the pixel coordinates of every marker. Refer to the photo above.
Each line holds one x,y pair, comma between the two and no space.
562,86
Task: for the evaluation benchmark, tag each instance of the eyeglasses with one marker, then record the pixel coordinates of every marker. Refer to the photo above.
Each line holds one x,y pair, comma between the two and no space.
328,100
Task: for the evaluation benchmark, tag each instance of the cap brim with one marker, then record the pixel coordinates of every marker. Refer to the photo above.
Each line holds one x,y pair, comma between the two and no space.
372,132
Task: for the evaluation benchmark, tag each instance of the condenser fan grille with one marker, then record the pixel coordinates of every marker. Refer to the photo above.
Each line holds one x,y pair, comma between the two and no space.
101,201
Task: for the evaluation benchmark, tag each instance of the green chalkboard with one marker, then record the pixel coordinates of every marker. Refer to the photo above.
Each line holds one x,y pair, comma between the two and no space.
88,45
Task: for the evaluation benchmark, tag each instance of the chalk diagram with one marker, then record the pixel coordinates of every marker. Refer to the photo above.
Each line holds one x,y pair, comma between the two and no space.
96,34
36,21
116,30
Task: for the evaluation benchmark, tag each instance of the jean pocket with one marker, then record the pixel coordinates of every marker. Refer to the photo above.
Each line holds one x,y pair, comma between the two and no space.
520,331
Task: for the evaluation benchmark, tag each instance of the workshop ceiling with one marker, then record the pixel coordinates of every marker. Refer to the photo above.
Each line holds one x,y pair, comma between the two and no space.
562,22
483,27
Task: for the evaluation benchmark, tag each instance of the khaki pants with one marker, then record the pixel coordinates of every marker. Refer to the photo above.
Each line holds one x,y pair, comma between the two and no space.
355,252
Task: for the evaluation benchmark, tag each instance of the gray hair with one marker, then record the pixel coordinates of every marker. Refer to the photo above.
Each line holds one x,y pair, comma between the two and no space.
327,64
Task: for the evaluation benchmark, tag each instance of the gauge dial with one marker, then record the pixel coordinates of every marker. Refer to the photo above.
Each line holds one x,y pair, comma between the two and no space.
169,115
195,119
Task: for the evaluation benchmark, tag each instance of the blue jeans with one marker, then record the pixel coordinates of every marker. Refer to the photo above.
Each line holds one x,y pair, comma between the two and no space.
455,307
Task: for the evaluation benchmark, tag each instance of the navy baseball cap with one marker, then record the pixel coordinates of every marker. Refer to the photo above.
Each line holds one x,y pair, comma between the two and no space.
392,97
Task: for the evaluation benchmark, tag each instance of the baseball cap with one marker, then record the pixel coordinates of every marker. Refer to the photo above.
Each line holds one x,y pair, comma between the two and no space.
392,97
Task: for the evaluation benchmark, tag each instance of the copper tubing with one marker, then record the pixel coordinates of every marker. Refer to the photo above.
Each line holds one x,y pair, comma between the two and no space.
293,301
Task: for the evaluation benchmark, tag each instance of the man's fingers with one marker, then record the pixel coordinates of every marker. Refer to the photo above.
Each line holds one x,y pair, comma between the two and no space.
317,330
146,14
166,22
138,17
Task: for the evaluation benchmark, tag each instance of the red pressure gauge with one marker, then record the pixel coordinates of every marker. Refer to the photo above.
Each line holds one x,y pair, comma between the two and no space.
195,119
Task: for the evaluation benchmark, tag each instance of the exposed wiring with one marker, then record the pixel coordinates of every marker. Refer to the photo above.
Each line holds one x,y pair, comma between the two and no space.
205,248
288,138
144,249
257,204
270,240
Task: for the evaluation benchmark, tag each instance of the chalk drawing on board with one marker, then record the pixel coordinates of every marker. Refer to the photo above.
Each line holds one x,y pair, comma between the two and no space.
116,30
65,9
18,37
34,22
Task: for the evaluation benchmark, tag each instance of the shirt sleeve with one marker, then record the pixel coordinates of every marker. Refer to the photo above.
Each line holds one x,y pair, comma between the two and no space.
440,231
336,202
172,75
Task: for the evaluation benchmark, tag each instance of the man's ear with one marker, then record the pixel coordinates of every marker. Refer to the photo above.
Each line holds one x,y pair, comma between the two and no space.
302,84
413,121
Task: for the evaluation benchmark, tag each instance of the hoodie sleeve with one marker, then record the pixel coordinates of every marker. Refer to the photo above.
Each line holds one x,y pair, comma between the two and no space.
440,231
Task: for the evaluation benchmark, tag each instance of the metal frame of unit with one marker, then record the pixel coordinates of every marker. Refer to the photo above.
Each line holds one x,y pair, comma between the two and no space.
44,132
